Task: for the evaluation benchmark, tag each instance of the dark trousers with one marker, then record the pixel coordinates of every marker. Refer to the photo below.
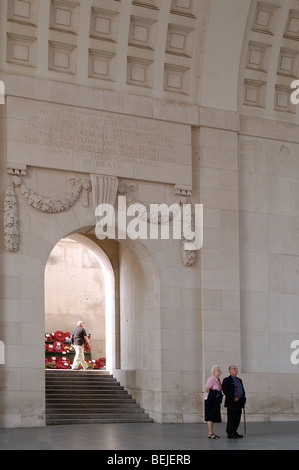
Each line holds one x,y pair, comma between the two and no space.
234,412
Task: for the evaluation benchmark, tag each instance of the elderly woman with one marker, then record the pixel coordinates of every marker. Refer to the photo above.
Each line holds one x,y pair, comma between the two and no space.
213,399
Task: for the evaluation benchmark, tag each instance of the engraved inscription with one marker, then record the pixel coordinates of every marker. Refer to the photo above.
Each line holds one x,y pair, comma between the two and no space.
78,139
99,139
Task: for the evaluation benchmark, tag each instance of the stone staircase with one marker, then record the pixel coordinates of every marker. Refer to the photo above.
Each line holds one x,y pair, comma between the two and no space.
84,397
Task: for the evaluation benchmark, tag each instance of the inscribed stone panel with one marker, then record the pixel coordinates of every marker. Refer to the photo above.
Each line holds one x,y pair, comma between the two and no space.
70,138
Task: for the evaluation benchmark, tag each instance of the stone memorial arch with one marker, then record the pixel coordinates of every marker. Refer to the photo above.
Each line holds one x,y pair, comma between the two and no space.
161,102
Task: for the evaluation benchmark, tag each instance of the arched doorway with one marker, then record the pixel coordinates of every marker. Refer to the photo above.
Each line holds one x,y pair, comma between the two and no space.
110,292
80,285
132,313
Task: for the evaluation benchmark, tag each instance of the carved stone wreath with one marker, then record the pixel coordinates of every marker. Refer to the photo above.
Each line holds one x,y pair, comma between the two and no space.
129,188
38,202
50,204
54,205
10,220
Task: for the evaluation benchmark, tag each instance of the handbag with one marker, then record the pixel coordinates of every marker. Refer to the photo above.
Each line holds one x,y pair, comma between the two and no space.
215,396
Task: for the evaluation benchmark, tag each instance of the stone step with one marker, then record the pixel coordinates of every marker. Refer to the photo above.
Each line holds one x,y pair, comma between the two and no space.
90,379
110,419
87,393
92,399
93,417
66,373
95,413
70,371
83,386
50,374
68,385
83,380
96,381
92,406
81,397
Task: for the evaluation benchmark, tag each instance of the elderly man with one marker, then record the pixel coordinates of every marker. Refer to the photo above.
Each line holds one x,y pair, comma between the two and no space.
235,399
79,338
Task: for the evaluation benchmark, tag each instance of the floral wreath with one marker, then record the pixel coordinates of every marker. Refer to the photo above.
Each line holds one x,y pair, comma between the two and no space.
54,362
63,363
58,346
93,363
50,363
59,335
102,362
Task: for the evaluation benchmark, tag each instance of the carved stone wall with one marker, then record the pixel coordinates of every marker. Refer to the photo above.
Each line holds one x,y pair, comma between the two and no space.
159,55
270,60
207,81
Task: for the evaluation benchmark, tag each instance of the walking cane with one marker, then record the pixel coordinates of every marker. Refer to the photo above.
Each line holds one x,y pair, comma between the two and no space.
244,421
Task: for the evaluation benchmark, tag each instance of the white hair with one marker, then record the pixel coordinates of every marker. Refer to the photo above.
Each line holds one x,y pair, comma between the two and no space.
79,322
214,368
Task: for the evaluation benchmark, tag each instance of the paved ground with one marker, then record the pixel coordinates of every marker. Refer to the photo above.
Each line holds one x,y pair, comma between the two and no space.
150,436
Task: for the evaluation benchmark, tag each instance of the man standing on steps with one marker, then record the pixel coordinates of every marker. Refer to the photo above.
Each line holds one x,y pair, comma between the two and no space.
78,339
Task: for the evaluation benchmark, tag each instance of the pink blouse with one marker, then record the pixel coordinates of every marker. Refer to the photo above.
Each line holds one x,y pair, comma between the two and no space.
214,384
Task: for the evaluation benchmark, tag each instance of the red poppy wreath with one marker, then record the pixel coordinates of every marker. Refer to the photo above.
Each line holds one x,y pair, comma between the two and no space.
58,346
59,335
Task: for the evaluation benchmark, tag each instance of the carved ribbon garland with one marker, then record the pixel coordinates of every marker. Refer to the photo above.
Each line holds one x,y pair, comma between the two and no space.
50,204
10,220
59,204
38,202
128,190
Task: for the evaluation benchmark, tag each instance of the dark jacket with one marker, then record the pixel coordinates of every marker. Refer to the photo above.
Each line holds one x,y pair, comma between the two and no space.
77,336
228,388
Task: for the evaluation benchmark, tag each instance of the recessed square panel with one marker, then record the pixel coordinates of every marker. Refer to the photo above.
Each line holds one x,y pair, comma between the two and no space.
282,100
255,57
258,56
62,57
64,16
292,26
265,18
22,11
21,50
104,24
142,32
101,65
184,7
288,63
139,72
155,4
22,8
179,40
176,79
254,93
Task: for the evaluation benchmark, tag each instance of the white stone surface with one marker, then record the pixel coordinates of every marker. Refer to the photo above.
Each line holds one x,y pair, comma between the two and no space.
215,82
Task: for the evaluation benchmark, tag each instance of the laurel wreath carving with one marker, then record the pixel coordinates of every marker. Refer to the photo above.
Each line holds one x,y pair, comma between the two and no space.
129,188
38,202
10,220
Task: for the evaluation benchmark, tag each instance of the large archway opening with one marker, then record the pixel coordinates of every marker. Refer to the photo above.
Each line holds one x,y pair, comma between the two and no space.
80,285
131,291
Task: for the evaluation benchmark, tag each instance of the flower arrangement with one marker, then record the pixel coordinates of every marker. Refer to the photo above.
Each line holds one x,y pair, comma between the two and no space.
51,362
57,352
64,362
